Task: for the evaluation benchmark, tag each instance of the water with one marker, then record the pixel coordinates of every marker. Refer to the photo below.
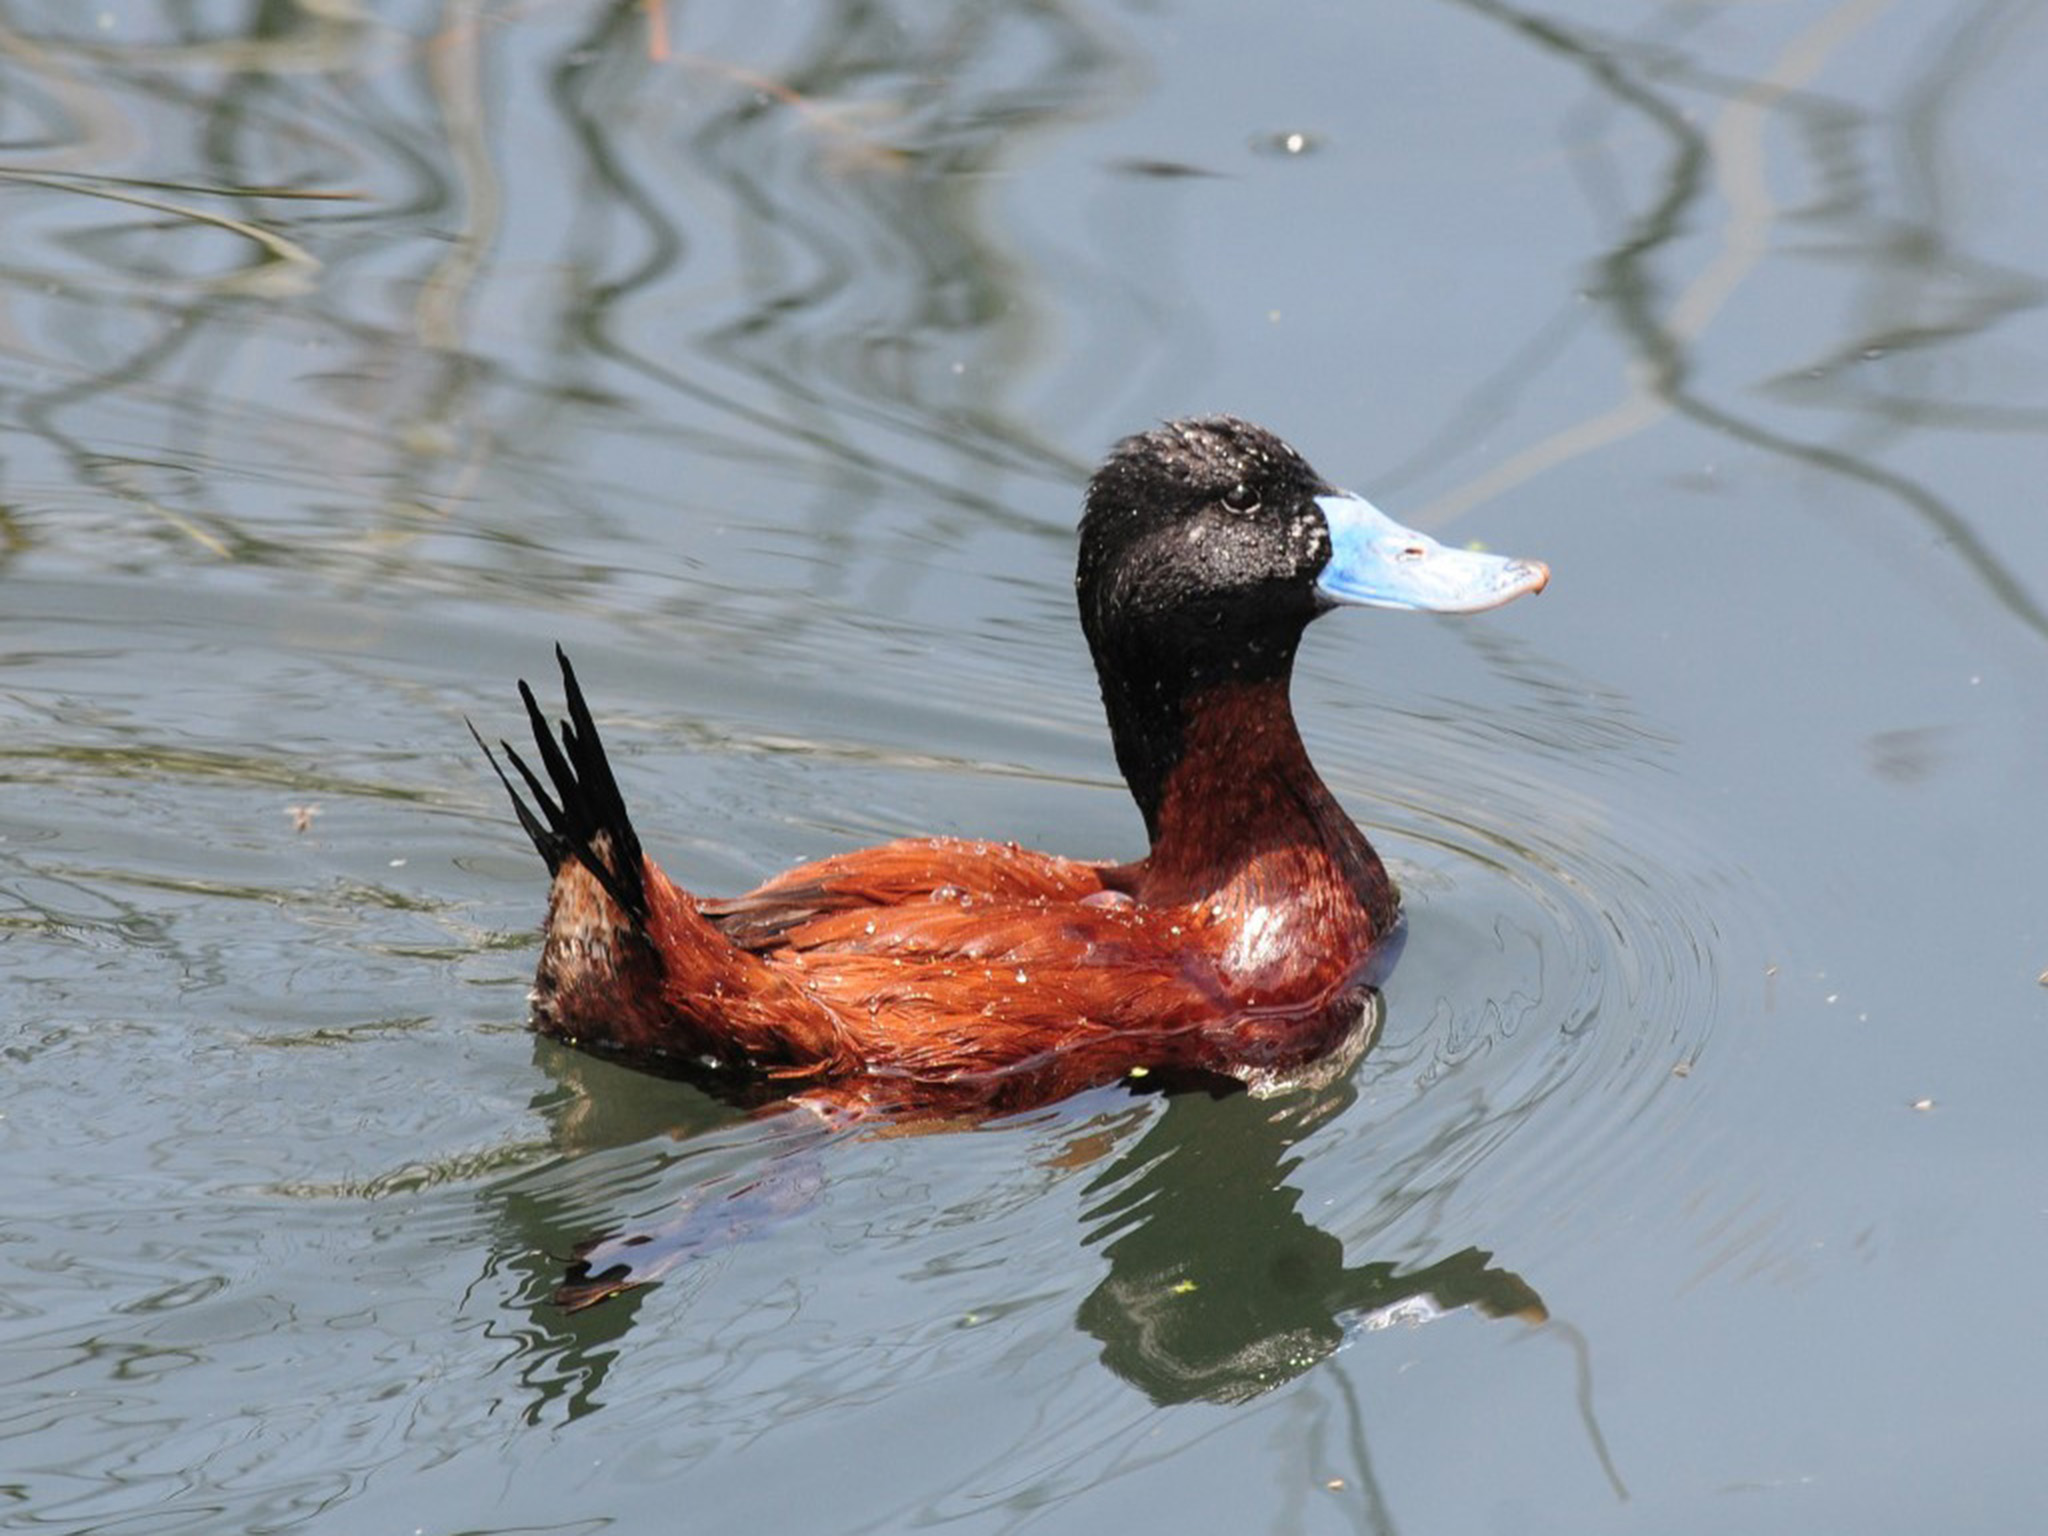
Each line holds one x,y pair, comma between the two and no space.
348,360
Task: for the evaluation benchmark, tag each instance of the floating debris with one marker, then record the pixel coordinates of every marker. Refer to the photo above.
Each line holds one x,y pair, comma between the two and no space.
1161,170
1288,143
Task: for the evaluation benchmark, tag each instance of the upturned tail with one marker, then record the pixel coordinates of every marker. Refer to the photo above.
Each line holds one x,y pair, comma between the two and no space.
627,961
585,818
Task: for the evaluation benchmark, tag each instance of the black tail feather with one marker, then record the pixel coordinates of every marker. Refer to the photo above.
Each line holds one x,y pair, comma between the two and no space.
589,823
552,847
547,806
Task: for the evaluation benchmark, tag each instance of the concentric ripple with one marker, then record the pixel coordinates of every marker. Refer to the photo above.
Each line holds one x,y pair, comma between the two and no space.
1566,960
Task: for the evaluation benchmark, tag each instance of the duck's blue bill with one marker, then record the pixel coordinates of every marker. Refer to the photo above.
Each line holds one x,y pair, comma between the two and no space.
1376,562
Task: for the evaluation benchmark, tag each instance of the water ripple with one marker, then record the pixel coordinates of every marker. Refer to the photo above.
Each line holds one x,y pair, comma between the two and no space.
1566,960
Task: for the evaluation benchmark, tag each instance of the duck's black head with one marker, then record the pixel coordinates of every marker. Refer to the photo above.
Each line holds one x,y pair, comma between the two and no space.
1207,547
1199,554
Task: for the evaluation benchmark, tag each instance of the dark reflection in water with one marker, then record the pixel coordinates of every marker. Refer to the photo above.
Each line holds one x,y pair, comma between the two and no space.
1218,1289
565,1354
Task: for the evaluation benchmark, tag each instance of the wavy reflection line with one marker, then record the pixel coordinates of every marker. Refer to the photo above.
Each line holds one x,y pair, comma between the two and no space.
1977,41
800,261
1376,1514
1582,1396
287,271
1656,381
1735,146
40,414
284,268
330,34
107,137
454,69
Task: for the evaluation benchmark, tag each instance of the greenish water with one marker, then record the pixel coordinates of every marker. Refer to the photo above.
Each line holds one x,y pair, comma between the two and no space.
352,356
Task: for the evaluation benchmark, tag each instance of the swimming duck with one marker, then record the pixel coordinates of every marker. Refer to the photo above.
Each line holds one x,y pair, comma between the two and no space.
940,971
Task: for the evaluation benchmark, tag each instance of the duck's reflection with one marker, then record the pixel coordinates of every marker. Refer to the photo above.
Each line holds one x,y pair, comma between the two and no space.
1218,1287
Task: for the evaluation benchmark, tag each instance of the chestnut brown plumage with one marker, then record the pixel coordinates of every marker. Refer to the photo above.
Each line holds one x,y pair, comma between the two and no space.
942,972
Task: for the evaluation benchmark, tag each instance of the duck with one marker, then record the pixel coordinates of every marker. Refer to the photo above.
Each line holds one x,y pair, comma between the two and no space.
952,974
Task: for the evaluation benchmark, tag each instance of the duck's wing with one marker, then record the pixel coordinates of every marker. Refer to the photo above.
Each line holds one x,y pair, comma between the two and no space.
908,872
960,985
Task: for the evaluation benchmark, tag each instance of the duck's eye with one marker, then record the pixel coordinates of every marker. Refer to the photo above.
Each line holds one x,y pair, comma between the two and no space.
1241,498
1410,552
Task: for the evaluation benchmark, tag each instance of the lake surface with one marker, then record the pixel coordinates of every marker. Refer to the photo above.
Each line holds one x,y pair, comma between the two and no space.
352,356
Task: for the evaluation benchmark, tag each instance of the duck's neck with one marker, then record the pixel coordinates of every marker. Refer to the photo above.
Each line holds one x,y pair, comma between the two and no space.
1169,696
1230,798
